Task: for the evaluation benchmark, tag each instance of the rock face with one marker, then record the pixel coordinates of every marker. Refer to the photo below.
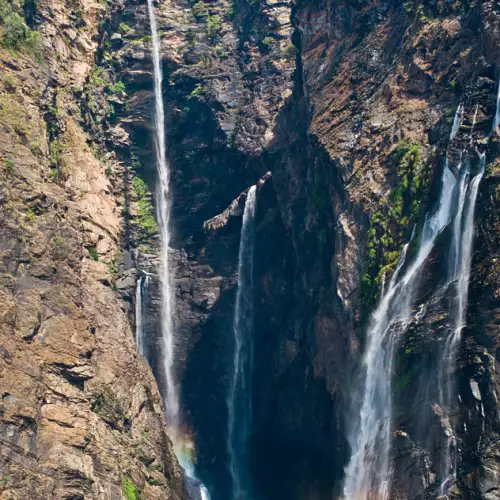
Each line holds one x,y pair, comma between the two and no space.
80,413
333,109
373,87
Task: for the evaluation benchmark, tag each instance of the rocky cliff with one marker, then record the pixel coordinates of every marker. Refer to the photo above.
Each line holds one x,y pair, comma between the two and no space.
341,113
80,414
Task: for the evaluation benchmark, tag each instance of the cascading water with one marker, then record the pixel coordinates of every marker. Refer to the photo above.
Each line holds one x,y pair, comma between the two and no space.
496,121
163,213
457,121
182,444
457,223
467,238
459,273
239,396
458,277
368,473
141,292
138,314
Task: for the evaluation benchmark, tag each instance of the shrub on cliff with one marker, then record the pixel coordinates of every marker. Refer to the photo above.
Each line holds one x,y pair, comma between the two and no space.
395,214
214,26
289,52
200,11
15,31
129,489
9,164
144,219
267,44
124,28
5,9
16,35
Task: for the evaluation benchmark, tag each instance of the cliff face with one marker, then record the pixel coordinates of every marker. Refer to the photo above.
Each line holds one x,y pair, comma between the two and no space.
80,413
329,107
373,87
377,78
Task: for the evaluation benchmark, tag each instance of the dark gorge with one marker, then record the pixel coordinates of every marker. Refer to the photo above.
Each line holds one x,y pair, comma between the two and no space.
250,250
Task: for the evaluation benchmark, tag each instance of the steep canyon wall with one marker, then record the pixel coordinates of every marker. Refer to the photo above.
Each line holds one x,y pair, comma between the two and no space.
333,109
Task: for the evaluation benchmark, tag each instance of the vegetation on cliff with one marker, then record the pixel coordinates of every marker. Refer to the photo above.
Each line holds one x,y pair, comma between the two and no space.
395,219
14,32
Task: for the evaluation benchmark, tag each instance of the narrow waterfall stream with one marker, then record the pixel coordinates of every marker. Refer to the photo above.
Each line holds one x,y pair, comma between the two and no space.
163,212
496,121
368,473
138,314
239,396
141,293
183,446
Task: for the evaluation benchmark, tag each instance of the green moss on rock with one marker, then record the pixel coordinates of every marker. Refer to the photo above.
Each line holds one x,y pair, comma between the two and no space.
129,489
394,217
145,219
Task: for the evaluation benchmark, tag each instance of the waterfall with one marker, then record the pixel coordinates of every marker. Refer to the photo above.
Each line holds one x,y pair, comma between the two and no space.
457,223
464,262
459,274
496,121
163,213
239,396
138,314
204,495
180,439
368,473
457,121
141,291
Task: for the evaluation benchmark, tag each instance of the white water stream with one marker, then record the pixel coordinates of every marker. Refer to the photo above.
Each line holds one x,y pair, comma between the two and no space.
163,203
240,392
183,445
141,292
459,277
368,473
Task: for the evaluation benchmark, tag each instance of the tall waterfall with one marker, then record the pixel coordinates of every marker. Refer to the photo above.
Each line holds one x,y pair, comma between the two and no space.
368,473
459,274
239,396
141,292
183,446
463,264
163,213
